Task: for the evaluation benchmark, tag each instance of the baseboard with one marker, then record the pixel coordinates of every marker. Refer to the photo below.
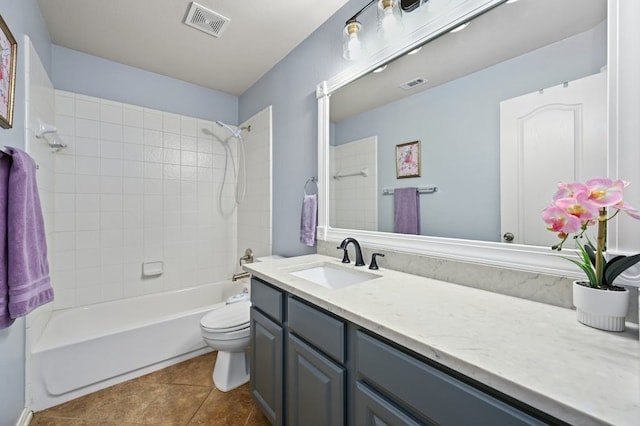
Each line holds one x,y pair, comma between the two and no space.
25,417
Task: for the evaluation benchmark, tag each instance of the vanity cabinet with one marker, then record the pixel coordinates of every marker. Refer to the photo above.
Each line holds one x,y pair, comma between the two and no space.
392,384
267,350
310,367
316,377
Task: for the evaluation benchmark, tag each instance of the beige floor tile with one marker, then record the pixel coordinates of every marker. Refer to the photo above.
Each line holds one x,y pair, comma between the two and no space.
182,394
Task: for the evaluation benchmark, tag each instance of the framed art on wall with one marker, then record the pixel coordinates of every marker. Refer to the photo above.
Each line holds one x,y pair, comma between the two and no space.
408,160
8,57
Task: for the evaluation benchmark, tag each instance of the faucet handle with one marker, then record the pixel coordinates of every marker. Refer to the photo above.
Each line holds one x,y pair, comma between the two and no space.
345,257
374,264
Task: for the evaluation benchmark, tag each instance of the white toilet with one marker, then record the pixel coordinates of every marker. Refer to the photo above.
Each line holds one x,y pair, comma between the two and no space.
226,329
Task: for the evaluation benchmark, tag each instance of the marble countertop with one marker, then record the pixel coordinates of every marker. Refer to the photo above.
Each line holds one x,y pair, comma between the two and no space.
536,353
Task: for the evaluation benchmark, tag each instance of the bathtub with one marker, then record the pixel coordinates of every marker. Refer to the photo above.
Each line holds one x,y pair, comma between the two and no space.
85,349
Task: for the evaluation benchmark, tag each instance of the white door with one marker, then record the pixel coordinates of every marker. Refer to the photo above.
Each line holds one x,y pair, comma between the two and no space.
556,134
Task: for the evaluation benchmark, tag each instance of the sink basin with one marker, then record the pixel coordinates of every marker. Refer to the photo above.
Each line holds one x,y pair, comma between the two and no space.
333,276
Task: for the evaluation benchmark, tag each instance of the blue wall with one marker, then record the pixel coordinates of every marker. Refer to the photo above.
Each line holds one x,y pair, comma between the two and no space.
22,17
464,160
290,88
93,76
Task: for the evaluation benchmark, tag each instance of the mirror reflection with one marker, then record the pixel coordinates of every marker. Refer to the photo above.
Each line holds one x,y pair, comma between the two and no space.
502,110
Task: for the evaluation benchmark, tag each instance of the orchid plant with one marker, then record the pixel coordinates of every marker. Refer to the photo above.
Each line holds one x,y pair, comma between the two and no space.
577,206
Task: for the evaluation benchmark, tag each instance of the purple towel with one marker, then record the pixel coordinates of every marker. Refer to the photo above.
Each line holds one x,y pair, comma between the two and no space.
309,219
27,266
5,317
406,211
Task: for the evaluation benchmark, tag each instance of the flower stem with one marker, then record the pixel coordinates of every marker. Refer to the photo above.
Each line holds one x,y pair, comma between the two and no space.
600,244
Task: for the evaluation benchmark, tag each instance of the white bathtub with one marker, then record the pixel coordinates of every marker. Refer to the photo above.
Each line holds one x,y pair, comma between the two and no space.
85,349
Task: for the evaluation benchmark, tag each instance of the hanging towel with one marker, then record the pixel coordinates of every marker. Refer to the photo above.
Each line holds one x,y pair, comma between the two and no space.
309,219
406,210
27,267
5,316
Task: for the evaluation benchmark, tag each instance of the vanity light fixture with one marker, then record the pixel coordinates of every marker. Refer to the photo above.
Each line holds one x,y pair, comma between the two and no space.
380,69
389,27
414,51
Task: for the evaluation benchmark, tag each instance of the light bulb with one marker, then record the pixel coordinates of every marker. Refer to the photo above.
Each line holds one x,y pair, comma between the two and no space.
354,46
389,19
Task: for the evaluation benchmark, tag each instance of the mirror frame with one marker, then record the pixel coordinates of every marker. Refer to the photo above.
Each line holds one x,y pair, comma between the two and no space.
622,127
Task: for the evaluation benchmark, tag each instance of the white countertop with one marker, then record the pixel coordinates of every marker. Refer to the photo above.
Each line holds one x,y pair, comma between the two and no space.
536,353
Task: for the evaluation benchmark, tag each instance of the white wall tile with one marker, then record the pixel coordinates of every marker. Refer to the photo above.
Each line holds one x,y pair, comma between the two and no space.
132,116
111,112
87,109
152,119
87,128
134,135
138,186
87,147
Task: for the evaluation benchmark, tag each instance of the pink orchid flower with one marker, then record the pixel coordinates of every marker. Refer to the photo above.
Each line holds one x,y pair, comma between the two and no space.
604,192
579,206
569,190
560,221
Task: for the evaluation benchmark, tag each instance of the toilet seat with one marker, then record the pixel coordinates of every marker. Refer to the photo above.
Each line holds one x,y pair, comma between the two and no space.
228,318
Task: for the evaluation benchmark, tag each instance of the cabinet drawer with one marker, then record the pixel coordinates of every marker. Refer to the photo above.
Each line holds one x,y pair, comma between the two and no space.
374,409
321,330
427,391
267,299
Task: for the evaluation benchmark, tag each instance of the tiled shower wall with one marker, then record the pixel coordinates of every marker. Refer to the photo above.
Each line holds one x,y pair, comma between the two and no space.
137,185
354,199
254,213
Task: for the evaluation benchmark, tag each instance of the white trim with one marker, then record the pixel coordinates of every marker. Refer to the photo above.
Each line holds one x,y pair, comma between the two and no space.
25,417
512,256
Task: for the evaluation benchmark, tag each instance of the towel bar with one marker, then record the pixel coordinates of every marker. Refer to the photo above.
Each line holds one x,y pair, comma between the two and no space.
421,190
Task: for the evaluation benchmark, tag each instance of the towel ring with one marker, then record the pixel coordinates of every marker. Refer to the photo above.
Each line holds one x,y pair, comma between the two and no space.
314,182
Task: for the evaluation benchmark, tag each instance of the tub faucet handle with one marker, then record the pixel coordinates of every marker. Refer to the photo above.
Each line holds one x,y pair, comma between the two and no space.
248,257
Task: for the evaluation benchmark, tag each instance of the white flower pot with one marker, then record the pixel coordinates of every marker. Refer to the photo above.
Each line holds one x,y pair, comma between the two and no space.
601,309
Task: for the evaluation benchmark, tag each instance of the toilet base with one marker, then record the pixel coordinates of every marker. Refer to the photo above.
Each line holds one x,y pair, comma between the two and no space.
231,370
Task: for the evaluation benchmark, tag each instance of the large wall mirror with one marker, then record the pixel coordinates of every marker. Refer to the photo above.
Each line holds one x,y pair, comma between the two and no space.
503,107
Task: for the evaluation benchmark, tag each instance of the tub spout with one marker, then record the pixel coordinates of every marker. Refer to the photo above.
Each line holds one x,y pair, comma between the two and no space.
239,276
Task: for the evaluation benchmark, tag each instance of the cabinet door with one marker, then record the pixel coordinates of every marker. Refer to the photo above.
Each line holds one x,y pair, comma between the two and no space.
372,409
315,387
267,366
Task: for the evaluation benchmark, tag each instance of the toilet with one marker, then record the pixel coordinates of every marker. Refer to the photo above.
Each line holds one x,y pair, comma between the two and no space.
226,330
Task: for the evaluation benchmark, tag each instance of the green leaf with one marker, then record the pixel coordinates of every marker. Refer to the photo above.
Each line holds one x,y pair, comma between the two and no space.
587,269
618,265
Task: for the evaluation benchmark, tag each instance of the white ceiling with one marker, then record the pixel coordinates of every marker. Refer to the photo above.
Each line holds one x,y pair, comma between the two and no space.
151,35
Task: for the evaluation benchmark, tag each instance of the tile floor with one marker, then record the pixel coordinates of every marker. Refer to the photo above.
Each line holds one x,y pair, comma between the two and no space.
182,394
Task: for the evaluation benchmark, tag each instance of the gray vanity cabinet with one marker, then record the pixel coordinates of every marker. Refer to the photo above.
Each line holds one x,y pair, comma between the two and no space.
310,367
315,386
316,378
267,351
413,388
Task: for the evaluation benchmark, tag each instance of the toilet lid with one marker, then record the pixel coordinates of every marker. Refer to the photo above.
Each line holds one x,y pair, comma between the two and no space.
229,317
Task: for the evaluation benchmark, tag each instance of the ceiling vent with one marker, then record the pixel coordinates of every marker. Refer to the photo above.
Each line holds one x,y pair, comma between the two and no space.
203,19
412,84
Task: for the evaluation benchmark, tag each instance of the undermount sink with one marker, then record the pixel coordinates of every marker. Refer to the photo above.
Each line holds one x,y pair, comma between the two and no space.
333,276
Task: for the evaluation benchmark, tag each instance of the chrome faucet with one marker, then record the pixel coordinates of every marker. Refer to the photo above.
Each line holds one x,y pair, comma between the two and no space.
343,246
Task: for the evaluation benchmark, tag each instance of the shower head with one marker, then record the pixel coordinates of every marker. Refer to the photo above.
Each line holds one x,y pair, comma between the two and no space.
235,131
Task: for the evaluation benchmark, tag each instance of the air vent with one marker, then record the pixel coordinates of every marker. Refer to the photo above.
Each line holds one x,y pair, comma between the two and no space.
412,84
203,19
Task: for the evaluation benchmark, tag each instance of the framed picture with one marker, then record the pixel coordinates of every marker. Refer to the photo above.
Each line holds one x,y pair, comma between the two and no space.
408,160
8,57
